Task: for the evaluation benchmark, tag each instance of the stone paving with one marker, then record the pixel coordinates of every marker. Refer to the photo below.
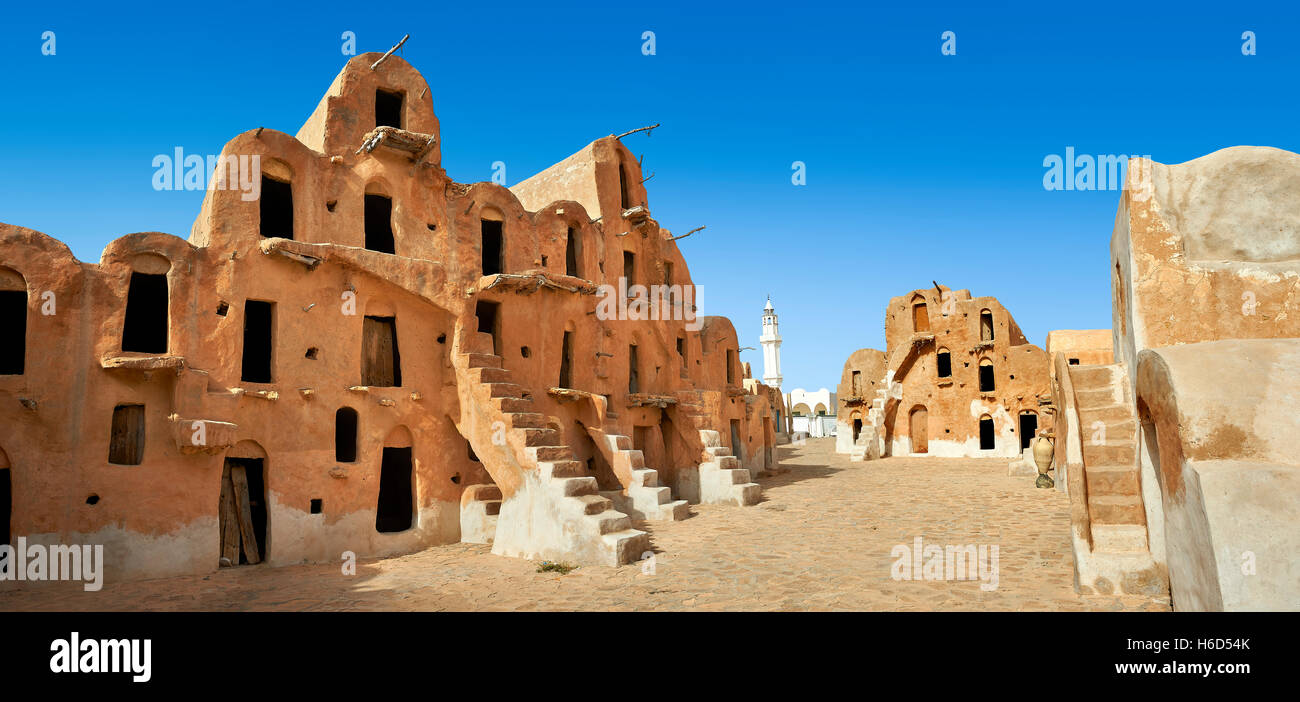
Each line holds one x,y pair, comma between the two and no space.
820,540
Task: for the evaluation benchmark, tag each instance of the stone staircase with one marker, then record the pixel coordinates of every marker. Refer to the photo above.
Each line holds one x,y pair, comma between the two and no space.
871,437
549,507
480,506
722,480
1112,481
642,496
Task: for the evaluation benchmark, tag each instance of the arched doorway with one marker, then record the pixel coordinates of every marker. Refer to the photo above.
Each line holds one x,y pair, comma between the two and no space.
988,439
918,426
243,517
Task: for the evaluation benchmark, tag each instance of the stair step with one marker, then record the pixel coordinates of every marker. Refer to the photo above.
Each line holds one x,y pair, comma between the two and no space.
482,360
492,507
611,521
727,462
1094,374
520,420
738,476
718,450
1111,453
483,493
489,374
645,477
594,504
550,453
1116,509
1113,480
505,390
573,487
534,436
513,405
620,442
632,459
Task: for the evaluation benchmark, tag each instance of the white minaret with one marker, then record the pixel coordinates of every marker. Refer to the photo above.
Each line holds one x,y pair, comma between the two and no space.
771,343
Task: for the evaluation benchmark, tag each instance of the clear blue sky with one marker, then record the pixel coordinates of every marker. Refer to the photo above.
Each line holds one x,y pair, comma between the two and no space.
920,166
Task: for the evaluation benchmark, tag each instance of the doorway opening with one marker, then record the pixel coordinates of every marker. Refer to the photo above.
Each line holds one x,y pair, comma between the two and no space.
489,322
986,376
396,499
126,438
388,109
256,364
381,363
918,429
243,512
379,224
145,327
13,320
493,261
920,318
986,325
857,429
566,361
987,438
1028,427
737,449
275,206
345,435
572,254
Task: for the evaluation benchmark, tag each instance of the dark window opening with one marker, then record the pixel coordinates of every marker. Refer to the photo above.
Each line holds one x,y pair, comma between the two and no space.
396,499
525,352
1028,427
6,506
379,224
986,326
572,254
257,342
92,500
145,327
126,440
489,322
1074,361
681,350
986,434
316,505
736,446
13,320
313,353
223,308
276,205
633,372
944,363
493,247
629,268
243,512
388,109
566,361
624,199
986,378
345,435
857,429
731,371
381,364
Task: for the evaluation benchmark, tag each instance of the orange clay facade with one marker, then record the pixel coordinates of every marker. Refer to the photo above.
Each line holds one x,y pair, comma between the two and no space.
957,378
389,359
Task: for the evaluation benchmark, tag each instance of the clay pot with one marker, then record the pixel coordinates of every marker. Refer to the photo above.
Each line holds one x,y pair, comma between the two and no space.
1043,452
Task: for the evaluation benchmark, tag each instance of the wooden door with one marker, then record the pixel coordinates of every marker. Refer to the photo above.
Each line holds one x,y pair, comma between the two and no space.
919,430
380,365
235,519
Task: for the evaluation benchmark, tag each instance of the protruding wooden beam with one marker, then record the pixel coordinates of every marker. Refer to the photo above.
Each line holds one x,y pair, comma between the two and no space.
384,58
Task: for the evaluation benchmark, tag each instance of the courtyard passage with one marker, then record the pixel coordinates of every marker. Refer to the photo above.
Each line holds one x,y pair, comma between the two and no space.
821,540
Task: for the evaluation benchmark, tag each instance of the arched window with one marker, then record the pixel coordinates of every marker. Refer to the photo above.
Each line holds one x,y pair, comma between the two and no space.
986,376
379,223
987,437
986,325
943,363
145,327
573,254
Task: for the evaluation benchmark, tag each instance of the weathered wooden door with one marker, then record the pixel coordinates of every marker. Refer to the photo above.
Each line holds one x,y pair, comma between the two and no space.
240,513
380,362
919,429
920,318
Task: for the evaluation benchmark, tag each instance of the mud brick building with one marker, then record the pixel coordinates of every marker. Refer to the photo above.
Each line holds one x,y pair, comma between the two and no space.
369,357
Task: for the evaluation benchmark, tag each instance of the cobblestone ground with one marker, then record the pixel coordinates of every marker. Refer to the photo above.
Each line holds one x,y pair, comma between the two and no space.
820,540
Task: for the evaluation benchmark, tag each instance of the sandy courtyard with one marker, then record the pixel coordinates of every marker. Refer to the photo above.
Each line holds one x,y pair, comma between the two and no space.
820,540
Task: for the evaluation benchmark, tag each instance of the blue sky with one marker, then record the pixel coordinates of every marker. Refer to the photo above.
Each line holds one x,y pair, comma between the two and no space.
920,166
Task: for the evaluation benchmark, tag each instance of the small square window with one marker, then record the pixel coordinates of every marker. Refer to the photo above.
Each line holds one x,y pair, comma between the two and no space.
316,506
